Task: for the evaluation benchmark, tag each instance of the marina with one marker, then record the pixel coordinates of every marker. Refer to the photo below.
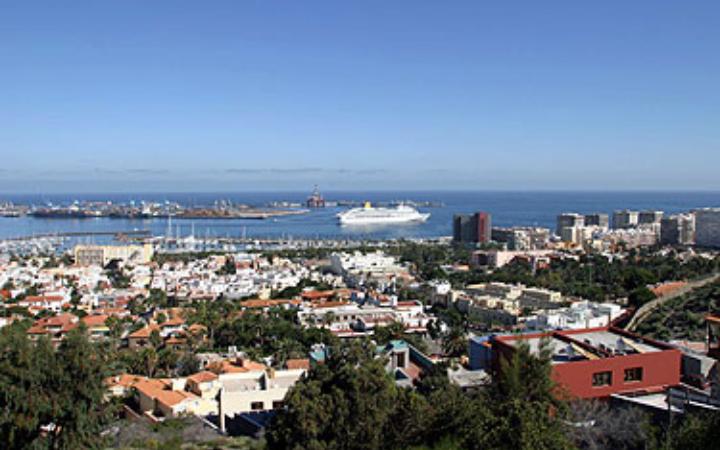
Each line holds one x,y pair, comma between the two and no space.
508,209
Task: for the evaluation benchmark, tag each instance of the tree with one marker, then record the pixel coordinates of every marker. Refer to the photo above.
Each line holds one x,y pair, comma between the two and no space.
395,330
188,364
115,325
25,370
149,357
168,360
228,268
80,393
594,425
350,402
344,404
639,296
700,431
61,391
454,342
157,297
524,403
155,339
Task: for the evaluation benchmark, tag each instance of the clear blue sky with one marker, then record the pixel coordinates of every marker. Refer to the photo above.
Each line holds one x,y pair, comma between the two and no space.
241,95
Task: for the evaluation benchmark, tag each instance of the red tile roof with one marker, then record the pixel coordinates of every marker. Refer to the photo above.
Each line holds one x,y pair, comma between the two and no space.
95,320
239,366
292,364
124,380
315,295
144,332
63,322
203,377
174,322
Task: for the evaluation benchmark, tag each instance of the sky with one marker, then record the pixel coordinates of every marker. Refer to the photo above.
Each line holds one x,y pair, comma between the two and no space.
137,95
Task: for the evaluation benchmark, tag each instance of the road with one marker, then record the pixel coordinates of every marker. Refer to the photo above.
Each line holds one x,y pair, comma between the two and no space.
645,310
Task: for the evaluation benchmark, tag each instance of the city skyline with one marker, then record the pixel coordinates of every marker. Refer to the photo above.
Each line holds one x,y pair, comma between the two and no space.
179,97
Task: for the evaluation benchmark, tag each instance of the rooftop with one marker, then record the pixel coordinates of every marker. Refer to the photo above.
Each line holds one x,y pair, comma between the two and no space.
587,344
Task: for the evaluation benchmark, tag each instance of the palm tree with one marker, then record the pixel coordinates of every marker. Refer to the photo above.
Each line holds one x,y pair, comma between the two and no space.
150,356
454,342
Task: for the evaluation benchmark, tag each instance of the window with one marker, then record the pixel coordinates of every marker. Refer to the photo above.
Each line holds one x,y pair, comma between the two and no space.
278,404
602,379
633,374
257,406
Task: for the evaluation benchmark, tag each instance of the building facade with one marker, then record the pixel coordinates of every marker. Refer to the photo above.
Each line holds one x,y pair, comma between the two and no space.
707,227
601,220
678,230
569,220
625,219
599,362
476,228
650,217
101,255
522,238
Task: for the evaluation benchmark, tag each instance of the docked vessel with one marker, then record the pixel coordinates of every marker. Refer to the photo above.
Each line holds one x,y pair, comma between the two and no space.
369,215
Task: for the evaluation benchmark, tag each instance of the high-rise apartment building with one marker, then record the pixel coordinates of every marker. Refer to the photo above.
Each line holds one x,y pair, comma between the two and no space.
625,219
707,227
569,220
677,229
601,220
650,217
472,228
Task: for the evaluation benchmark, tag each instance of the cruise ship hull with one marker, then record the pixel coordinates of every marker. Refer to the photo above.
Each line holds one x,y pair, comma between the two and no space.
381,216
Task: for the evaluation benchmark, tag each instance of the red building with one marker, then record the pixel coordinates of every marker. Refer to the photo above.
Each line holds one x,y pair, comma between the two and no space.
598,362
472,228
484,227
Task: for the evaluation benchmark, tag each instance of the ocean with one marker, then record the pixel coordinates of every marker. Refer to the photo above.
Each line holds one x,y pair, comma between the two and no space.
507,209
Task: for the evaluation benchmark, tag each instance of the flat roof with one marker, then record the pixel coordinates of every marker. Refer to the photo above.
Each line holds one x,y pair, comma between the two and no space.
615,342
654,400
577,345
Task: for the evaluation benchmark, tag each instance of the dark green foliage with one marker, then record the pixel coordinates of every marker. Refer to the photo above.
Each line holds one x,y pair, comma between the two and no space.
157,297
118,278
596,278
343,404
455,342
683,317
427,259
295,291
272,333
228,268
524,404
699,431
396,330
187,364
351,403
40,386
639,296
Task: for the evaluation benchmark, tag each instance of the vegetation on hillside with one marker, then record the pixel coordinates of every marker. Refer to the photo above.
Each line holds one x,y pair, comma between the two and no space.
597,278
350,402
52,398
683,317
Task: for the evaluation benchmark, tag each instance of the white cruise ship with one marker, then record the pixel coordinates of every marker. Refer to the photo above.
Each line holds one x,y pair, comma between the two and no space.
379,216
